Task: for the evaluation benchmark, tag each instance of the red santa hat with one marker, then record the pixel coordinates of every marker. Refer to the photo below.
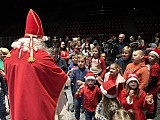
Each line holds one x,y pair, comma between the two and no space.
156,52
89,75
108,88
132,77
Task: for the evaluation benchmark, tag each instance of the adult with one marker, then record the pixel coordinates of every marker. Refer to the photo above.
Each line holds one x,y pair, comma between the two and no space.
34,80
117,48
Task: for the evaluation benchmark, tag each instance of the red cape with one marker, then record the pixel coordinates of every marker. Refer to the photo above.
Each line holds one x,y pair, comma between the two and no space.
33,88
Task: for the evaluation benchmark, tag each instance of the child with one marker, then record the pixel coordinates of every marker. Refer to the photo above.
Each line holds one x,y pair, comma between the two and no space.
115,75
90,94
3,92
154,79
97,64
138,67
103,55
77,79
109,101
74,62
125,59
132,97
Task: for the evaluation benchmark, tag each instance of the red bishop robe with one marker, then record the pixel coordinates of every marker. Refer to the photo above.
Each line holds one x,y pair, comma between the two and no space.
33,88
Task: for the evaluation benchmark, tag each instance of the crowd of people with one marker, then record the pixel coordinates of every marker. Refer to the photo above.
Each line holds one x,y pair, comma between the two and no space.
127,69
106,77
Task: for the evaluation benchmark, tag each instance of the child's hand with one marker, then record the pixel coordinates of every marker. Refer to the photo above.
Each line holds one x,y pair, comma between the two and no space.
149,98
96,115
79,82
81,86
99,79
3,73
131,93
69,72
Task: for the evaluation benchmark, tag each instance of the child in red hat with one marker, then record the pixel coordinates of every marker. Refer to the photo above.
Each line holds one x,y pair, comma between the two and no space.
90,93
154,78
134,98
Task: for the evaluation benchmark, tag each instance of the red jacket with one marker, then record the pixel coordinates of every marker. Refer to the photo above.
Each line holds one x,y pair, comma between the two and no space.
90,100
137,105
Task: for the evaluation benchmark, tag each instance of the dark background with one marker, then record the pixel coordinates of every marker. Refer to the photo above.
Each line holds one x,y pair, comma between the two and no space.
15,11
59,17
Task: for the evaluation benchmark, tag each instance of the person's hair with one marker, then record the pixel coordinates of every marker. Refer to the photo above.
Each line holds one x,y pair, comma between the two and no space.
127,48
139,52
74,54
103,53
105,103
65,47
99,51
55,50
122,114
117,67
82,56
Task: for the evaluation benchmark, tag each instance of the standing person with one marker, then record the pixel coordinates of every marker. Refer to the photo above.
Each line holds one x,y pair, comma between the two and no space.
90,93
63,51
133,43
138,67
115,75
156,39
142,45
3,86
154,79
117,48
125,59
74,62
132,97
59,60
34,80
3,53
3,93
77,79
97,64
73,65
55,42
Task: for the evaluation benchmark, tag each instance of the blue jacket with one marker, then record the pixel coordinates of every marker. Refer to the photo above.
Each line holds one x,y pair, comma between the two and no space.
78,74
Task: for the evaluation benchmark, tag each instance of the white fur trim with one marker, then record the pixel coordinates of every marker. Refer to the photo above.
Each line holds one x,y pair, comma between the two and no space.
90,77
131,79
106,94
155,53
25,42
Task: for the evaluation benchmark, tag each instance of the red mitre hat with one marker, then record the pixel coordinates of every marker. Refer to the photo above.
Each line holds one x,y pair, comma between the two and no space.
33,25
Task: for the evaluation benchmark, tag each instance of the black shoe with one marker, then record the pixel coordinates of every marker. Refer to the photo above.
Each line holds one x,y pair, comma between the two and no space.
154,113
149,115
